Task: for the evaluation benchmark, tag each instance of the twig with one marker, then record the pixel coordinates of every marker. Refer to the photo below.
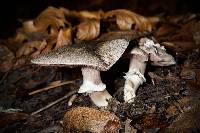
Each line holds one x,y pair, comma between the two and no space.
55,102
51,86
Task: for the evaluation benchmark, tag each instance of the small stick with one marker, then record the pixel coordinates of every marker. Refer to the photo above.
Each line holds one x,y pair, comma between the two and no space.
51,86
55,102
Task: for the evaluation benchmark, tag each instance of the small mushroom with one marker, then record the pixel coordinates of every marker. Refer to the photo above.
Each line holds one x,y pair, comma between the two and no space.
147,51
135,76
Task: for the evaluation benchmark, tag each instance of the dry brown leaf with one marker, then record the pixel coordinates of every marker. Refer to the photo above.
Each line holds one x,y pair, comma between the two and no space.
19,62
126,19
83,15
91,14
51,41
31,47
10,118
88,29
28,26
50,17
19,37
64,38
6,59
23,36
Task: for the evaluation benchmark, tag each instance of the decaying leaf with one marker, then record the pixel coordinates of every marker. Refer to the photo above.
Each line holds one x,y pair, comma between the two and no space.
126,19
191,72
91,14
88,30
64,38
187,39
6,59
10,118
84,15
52,17
51,41
28,26
31,47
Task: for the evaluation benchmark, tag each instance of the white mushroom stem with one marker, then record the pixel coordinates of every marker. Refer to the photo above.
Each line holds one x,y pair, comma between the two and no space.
147,50
91,81
93,85
135,76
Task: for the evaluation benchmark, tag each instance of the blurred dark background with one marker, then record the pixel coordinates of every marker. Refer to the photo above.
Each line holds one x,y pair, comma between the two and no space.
12,11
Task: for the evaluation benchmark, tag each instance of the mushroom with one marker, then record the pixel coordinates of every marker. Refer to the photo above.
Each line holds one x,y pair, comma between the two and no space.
93,57
147,51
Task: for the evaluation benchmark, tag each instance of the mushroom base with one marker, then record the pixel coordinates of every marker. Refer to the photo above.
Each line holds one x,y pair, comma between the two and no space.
133,81
93,85
100,98
89,87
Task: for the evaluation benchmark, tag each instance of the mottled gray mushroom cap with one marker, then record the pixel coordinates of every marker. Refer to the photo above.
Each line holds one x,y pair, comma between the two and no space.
100,54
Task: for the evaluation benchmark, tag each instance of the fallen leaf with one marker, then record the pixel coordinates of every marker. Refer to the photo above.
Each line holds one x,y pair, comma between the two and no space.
187,121
184,101
10,118
180,39
38,78
6,59
91,14
30,48
164,30
28,26
88,30
64,38
191,71
19,62
51,42
126,19
52,17
84,15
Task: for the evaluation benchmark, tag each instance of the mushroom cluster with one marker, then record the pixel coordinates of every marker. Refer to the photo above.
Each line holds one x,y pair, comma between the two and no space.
100,55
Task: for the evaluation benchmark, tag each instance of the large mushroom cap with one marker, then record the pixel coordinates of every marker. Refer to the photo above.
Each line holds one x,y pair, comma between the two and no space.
100,56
